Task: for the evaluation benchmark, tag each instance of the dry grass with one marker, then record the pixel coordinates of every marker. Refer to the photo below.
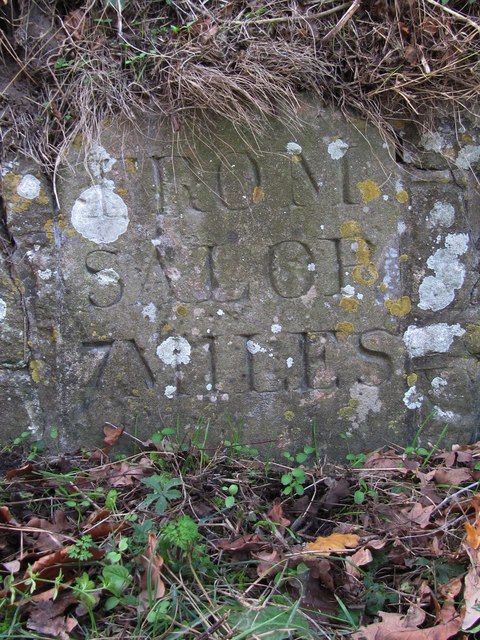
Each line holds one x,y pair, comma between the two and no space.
69,65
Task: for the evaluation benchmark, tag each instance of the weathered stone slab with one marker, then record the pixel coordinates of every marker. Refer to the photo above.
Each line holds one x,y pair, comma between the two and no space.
285,283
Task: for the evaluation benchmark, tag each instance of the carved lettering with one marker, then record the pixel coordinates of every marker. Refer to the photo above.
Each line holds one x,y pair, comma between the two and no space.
238,178
107,285
289,270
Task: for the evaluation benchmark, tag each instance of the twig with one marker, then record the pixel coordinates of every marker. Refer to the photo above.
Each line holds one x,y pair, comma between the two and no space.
342,22
322,14
456,14
453,496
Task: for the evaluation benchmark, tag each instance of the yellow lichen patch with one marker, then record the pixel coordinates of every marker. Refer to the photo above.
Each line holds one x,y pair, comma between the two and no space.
349,410
55,335
289,416
130,165
383,287
48,228
402,196
62,223
344,329
471,339
399,307
35,366
359,124
42,199
166,329
399,124
466,138
122,192
10,183
296,158
369,190
412,379
349,304
365,274
350,229
363,251
181,310
403,258
258,195
77,142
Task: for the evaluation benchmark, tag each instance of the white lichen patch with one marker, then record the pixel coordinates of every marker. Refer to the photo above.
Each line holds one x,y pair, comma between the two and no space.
150,311
29,187
46,274
174,351
208,387
311,266
3,309
99,214
170,391
348,291
220,312
433,141
100,161
337,149
276,328
438,385
438,291
367,400
442,214
436,338
289,363
412,398
440,414
106,277
468,156
254,347
293,148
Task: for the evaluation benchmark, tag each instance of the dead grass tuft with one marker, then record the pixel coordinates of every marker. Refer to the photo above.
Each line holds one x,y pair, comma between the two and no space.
70,65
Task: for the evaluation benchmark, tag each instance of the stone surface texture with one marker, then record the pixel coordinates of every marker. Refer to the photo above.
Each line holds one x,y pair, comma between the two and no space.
303,281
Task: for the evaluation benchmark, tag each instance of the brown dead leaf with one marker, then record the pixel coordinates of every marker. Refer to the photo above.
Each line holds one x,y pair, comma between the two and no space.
360,558
269,562
6,516
276,513
26,470
104,529
451,589
74,24
258,195
418,514
48,567
248,542
112,434
392,627
471,595
443,475
124,474
320,568
151,583
48,618
334,543
336,492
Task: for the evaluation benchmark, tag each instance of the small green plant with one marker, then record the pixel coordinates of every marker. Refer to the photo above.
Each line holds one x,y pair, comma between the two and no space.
231,490
182,533
162,486
293,482
364,491
81,550
356,460
116,579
